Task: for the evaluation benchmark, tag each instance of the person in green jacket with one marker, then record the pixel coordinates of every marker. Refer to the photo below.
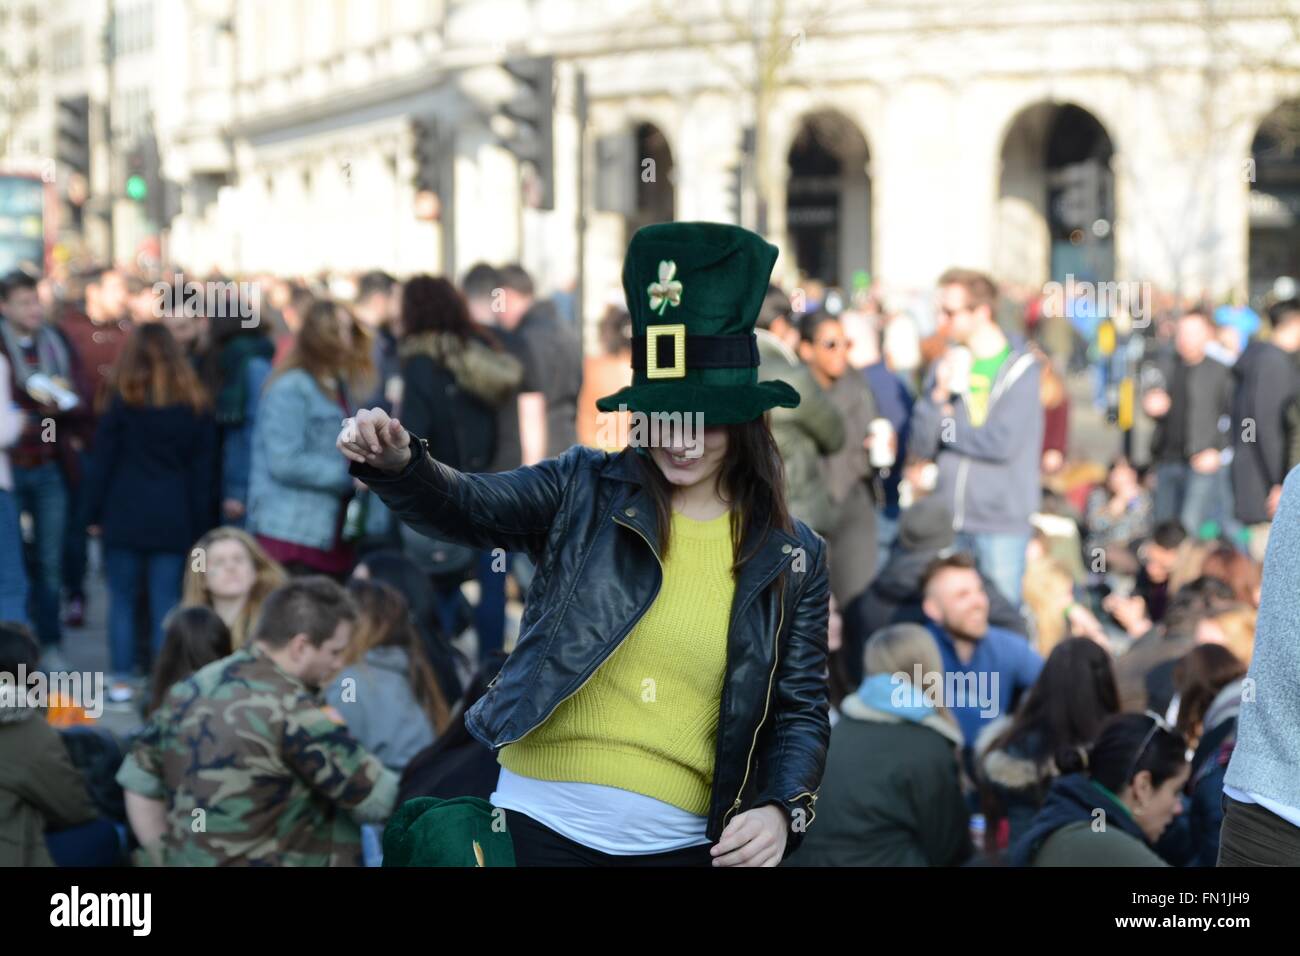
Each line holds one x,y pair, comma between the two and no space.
807,432
1114,799
892,792
40,788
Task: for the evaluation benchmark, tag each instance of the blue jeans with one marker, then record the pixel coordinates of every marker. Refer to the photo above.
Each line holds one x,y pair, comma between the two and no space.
100,842
13,575
1000,557
42,494
886,533
1191,497
162,572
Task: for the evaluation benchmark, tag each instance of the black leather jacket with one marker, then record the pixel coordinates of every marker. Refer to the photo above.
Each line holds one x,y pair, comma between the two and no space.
589,526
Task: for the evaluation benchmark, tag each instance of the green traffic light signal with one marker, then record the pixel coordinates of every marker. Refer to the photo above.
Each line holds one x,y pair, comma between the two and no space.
137,188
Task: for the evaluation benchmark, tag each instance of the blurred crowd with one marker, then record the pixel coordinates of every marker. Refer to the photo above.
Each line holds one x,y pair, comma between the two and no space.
1089,621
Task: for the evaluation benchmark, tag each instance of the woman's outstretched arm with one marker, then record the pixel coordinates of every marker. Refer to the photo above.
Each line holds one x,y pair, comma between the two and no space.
513,510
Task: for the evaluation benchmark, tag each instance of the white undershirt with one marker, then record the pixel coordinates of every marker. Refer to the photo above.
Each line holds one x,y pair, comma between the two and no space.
602,818
1290,814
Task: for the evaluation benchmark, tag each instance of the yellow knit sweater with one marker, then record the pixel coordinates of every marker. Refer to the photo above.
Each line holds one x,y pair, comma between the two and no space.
647,720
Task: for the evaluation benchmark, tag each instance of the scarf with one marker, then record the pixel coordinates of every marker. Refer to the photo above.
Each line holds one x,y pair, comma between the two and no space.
232,399
51,354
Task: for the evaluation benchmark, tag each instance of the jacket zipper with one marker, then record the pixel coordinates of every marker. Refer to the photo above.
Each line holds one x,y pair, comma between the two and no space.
617,643
767,701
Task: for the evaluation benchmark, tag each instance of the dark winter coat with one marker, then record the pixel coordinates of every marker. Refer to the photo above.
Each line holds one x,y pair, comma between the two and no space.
150,477
891,795
1265,381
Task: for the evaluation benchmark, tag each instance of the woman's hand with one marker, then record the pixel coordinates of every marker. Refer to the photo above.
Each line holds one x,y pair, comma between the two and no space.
372,438
753,838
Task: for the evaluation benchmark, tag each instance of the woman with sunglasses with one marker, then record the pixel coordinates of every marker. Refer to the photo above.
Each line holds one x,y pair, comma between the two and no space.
1114,799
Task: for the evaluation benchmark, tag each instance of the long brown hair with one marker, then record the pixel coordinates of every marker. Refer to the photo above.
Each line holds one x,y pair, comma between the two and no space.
193,637
1198,677
319,349
432,304
152,372
751,478
385,621
267,576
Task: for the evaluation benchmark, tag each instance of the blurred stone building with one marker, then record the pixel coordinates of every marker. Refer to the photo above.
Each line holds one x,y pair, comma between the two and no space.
1105,139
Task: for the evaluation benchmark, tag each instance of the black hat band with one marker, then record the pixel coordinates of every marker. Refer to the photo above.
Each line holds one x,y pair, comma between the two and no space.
701,351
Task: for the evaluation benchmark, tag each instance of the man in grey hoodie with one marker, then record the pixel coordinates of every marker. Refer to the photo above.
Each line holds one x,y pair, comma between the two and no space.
979,417
1261,791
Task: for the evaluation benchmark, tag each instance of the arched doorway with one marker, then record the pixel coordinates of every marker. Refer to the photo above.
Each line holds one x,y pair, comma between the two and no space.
828,200
1056,198
1274,174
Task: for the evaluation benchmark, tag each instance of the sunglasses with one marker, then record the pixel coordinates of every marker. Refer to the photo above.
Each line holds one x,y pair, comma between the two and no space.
1157,723
833,344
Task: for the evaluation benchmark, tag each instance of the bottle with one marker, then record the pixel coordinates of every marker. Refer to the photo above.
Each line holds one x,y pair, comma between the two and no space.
977,827
354,521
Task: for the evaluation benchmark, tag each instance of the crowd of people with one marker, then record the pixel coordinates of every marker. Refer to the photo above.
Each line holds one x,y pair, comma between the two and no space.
1069,636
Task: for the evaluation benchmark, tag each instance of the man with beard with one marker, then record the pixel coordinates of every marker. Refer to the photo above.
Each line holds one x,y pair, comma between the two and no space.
985,668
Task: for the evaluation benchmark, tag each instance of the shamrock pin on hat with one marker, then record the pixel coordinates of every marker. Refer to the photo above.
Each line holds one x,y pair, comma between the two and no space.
694,290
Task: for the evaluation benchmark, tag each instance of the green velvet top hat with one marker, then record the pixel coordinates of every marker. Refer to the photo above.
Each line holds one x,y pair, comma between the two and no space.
457,832
694,290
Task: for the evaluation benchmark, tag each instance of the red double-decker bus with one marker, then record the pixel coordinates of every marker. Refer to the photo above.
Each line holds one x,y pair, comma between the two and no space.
26,227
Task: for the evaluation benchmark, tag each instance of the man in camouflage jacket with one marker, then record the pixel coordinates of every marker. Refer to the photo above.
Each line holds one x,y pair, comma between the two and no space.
243,766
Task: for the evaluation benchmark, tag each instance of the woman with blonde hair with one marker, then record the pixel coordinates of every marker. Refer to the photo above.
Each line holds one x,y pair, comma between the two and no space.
298,486
892,793
233,578
1054,614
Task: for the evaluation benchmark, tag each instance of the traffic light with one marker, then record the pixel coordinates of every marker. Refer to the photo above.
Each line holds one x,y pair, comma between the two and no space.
428,148
72,151
735,192
136,185
144,183
72,147
530,112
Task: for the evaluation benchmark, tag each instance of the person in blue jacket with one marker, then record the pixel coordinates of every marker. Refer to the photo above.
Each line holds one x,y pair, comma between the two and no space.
149,486
985,668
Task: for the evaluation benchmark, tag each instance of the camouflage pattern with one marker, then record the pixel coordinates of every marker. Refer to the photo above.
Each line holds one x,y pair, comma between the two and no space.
278,780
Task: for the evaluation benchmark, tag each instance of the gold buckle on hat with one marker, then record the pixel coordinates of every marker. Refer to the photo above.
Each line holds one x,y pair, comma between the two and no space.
652,334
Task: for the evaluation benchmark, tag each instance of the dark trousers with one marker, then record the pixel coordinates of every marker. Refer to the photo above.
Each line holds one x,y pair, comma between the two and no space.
538,845
74,535
100,842
1254,836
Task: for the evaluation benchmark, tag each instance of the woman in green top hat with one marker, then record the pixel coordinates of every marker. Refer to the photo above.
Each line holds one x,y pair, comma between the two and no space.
666,702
